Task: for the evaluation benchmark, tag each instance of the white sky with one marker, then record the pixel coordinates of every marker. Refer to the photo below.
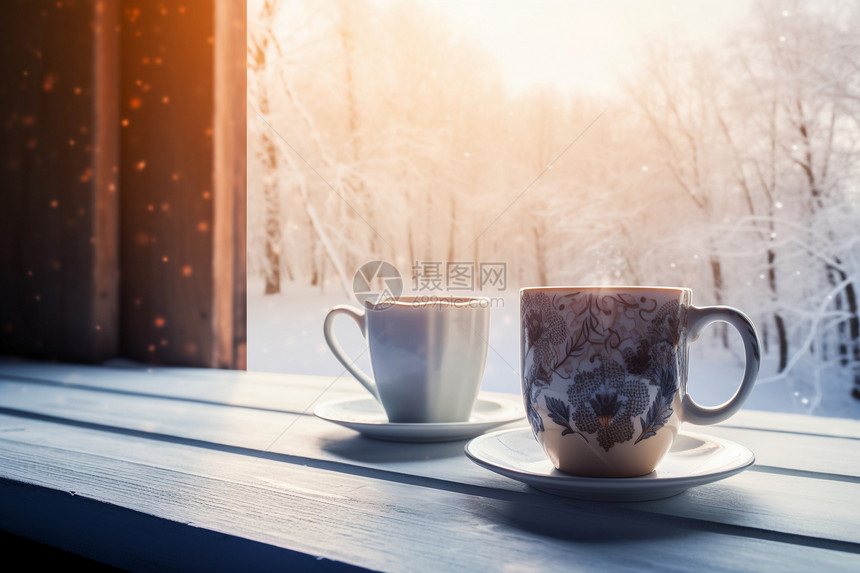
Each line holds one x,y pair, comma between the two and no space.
580,44
584,43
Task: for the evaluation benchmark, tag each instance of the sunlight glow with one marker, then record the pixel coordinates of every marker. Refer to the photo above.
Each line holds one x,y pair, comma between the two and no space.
582,44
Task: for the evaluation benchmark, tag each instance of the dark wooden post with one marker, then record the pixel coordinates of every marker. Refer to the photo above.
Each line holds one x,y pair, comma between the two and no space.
167,106
230,228
183,182
123,156
58,179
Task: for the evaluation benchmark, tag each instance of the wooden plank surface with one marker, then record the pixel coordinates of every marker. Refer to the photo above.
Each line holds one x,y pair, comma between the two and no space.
259,390
781,506
372,521
121,433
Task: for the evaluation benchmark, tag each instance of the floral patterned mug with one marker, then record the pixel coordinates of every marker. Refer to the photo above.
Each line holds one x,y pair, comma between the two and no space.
604,373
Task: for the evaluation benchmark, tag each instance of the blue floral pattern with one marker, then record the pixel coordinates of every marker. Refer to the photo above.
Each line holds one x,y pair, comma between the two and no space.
620,355
544,328
605,400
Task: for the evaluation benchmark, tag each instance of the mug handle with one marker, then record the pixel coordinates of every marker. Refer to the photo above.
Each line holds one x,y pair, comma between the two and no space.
697,320
359,317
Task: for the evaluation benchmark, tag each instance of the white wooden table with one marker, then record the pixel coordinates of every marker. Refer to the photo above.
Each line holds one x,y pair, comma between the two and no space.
216,470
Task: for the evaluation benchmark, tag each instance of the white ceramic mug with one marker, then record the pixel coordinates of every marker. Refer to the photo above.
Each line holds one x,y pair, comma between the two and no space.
427,355
604,373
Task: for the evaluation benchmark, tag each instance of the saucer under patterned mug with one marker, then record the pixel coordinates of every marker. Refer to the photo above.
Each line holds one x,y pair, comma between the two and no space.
692,461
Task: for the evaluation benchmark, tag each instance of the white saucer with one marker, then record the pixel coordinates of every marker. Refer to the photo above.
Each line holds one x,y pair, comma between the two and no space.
693,460
366,415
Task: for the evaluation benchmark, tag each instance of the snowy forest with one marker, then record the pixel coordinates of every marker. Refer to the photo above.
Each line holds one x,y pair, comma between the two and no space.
379,132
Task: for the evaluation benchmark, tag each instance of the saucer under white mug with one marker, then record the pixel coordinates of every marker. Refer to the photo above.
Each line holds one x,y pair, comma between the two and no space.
366,415
694,460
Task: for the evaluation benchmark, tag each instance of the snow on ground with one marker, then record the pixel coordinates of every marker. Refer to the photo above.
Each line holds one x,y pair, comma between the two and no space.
285,335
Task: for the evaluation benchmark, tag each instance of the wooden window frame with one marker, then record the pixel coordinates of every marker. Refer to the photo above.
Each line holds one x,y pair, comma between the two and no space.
125,174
